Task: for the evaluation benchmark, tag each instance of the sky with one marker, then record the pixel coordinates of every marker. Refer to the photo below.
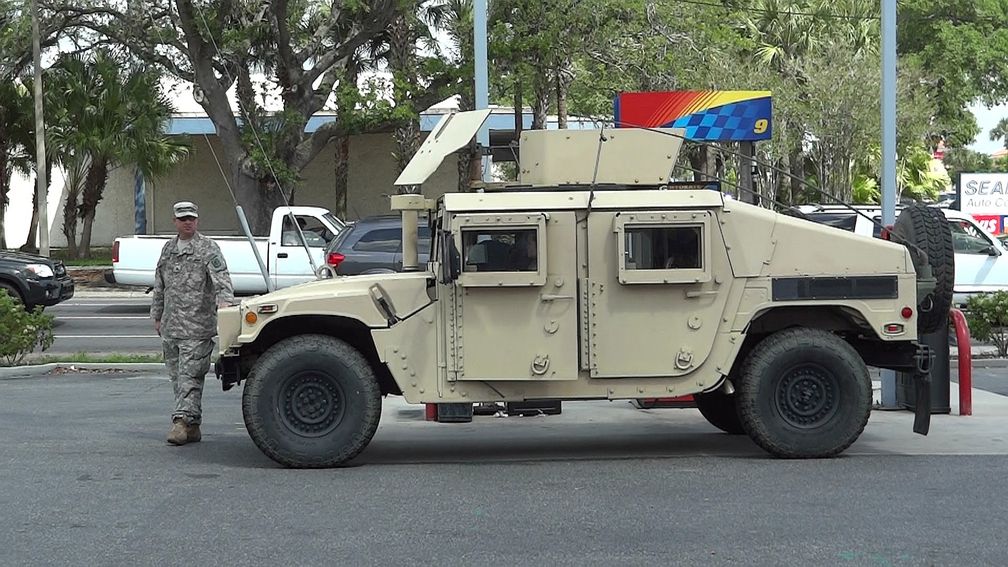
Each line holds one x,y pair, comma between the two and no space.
987,118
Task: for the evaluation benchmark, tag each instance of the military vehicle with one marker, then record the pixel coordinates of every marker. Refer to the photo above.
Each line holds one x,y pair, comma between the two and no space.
594,278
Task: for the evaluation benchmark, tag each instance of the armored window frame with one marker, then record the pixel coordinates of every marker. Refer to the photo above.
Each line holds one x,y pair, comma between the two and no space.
469,223
699,221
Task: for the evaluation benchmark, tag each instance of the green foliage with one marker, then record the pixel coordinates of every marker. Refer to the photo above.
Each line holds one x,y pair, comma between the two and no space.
964,46
865,191
21,331
987,316
965,160
1000,132
105,111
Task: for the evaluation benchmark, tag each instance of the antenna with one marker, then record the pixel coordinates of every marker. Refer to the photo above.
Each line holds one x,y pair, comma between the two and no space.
598,158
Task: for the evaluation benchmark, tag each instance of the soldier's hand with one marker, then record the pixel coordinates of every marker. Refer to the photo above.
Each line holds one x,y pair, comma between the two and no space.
157,327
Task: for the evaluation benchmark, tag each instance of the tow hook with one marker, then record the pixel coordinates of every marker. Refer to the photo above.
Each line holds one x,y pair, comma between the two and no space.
923,360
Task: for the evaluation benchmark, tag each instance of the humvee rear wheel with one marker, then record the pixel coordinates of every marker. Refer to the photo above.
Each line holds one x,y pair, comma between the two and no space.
311,401
804,393
928,229
720,410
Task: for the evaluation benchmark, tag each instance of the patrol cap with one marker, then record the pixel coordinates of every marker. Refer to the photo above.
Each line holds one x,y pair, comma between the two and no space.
186,209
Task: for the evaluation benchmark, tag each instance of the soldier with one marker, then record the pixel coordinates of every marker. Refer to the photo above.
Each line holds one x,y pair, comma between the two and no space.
191,283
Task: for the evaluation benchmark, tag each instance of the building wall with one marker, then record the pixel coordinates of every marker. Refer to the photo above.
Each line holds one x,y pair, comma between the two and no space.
198,179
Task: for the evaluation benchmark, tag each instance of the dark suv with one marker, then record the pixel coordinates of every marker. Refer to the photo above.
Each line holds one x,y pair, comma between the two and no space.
373,245
34,280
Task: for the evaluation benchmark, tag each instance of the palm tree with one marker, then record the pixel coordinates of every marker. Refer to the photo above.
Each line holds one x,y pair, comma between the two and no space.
106,113
1000,132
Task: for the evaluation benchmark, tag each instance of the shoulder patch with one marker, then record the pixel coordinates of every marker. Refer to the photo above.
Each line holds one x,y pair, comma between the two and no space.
217,263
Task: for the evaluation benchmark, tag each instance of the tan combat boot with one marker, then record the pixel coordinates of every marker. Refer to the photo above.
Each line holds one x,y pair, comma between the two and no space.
193,433
178,435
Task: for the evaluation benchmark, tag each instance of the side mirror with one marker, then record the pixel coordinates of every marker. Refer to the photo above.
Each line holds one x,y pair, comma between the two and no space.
993,251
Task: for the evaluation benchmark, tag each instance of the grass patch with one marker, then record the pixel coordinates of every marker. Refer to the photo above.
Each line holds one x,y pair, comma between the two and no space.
99,257
98,358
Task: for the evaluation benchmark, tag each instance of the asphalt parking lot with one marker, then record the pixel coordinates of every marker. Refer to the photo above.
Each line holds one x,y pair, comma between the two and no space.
88,475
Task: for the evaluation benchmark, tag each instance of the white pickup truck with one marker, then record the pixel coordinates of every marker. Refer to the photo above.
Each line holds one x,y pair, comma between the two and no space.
135,257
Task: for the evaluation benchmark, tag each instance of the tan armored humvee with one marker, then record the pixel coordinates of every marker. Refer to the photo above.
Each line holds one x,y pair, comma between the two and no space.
593,279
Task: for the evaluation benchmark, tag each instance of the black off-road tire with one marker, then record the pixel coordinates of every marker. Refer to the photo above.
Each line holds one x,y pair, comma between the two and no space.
14,294
720,410
311,401
928,229
804,393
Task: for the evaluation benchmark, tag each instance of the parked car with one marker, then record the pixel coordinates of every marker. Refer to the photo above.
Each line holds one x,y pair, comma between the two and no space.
373,245
981,260
34,280
134,258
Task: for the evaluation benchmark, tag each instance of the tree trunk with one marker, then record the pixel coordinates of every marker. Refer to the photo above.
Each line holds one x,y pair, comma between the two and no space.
540,98
5,177
563,77
341,174
29,245
407,139
797,170
94,186
258,199
70,207
467,101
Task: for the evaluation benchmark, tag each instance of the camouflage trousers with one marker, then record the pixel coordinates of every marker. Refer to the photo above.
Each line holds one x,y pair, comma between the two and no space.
187,362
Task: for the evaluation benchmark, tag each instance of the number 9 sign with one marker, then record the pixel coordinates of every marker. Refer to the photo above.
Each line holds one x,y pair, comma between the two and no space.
761,126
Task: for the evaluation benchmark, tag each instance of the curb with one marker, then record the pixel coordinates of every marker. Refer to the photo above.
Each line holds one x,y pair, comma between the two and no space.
90,293
36,370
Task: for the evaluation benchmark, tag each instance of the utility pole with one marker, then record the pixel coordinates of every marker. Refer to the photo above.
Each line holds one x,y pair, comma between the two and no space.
480,78
41,184
888,151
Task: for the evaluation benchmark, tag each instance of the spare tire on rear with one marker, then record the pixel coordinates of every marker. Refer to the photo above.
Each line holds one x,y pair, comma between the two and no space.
927,229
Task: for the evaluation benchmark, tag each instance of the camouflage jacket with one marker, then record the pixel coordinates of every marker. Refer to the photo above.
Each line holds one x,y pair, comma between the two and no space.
188,286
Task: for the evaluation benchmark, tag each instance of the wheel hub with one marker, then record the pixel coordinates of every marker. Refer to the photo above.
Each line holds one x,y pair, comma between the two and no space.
806,396
311,404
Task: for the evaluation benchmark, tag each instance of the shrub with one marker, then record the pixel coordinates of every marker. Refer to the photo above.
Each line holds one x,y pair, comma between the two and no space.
987,315
21,331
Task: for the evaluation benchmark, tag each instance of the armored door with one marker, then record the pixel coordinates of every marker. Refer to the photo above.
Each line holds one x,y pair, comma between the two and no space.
658,283
515,299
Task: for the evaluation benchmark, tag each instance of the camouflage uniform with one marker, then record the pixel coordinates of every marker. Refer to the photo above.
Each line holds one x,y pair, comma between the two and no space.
189,284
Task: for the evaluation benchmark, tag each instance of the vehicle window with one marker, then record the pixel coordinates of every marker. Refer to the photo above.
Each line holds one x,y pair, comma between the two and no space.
380,240
663,248
508,250
424,242
967,239
340,225
315,233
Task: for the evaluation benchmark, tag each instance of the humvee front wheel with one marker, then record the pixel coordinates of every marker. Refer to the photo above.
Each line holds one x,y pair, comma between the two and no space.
804,393
720,410
311,401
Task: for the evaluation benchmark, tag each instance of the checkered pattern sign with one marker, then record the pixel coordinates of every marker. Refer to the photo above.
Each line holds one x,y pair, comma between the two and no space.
721,116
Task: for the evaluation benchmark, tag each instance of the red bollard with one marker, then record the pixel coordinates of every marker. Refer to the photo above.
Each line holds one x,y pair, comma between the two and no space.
965,362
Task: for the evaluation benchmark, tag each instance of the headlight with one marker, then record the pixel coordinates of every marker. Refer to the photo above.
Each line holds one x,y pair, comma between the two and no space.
39,270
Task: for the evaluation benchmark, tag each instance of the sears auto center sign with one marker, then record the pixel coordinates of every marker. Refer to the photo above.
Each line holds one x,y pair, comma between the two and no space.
985,196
